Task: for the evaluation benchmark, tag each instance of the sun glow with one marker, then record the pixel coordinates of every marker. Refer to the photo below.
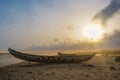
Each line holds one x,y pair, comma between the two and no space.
93,32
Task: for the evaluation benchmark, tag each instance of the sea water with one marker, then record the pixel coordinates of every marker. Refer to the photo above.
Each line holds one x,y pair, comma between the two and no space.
8,59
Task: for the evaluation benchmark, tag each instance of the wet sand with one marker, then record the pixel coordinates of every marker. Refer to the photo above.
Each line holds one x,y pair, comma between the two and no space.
98,68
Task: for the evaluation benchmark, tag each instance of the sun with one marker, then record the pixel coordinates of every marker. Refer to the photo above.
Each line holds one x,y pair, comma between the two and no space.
93,32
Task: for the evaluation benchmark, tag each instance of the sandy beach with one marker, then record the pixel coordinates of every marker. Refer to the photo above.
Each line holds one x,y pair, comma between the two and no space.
98,68
59,39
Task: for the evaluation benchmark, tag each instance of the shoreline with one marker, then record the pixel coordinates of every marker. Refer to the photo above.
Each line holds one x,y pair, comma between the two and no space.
98,68
9,64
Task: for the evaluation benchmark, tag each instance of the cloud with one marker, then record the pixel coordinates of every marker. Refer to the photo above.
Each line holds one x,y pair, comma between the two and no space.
105,14
109,42
66,44
59,47
72,27
112,41
40,22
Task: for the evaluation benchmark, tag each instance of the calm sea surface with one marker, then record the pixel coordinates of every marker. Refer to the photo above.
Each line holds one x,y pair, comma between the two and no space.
7,59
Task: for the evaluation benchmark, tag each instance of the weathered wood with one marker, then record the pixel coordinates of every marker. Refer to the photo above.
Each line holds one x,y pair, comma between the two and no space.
56,58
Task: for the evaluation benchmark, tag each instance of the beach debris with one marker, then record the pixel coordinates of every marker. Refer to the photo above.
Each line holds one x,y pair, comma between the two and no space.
87,75
112,68
117,59
88,65
115,76
29,72
13,71
53,73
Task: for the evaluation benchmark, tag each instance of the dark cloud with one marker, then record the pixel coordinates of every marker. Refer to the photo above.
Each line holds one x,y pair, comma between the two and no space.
112,41
108,12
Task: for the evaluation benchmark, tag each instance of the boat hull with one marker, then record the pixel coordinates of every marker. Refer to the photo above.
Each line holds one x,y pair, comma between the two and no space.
57,58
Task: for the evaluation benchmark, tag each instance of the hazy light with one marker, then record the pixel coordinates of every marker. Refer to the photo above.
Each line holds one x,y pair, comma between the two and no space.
93,32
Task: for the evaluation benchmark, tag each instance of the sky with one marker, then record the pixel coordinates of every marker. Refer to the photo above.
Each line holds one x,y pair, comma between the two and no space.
57,24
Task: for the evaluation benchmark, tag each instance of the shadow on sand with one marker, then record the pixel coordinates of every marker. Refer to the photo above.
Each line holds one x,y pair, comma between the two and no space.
58,65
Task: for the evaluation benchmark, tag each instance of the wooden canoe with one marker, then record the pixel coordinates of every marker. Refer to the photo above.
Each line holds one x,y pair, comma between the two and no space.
55,58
